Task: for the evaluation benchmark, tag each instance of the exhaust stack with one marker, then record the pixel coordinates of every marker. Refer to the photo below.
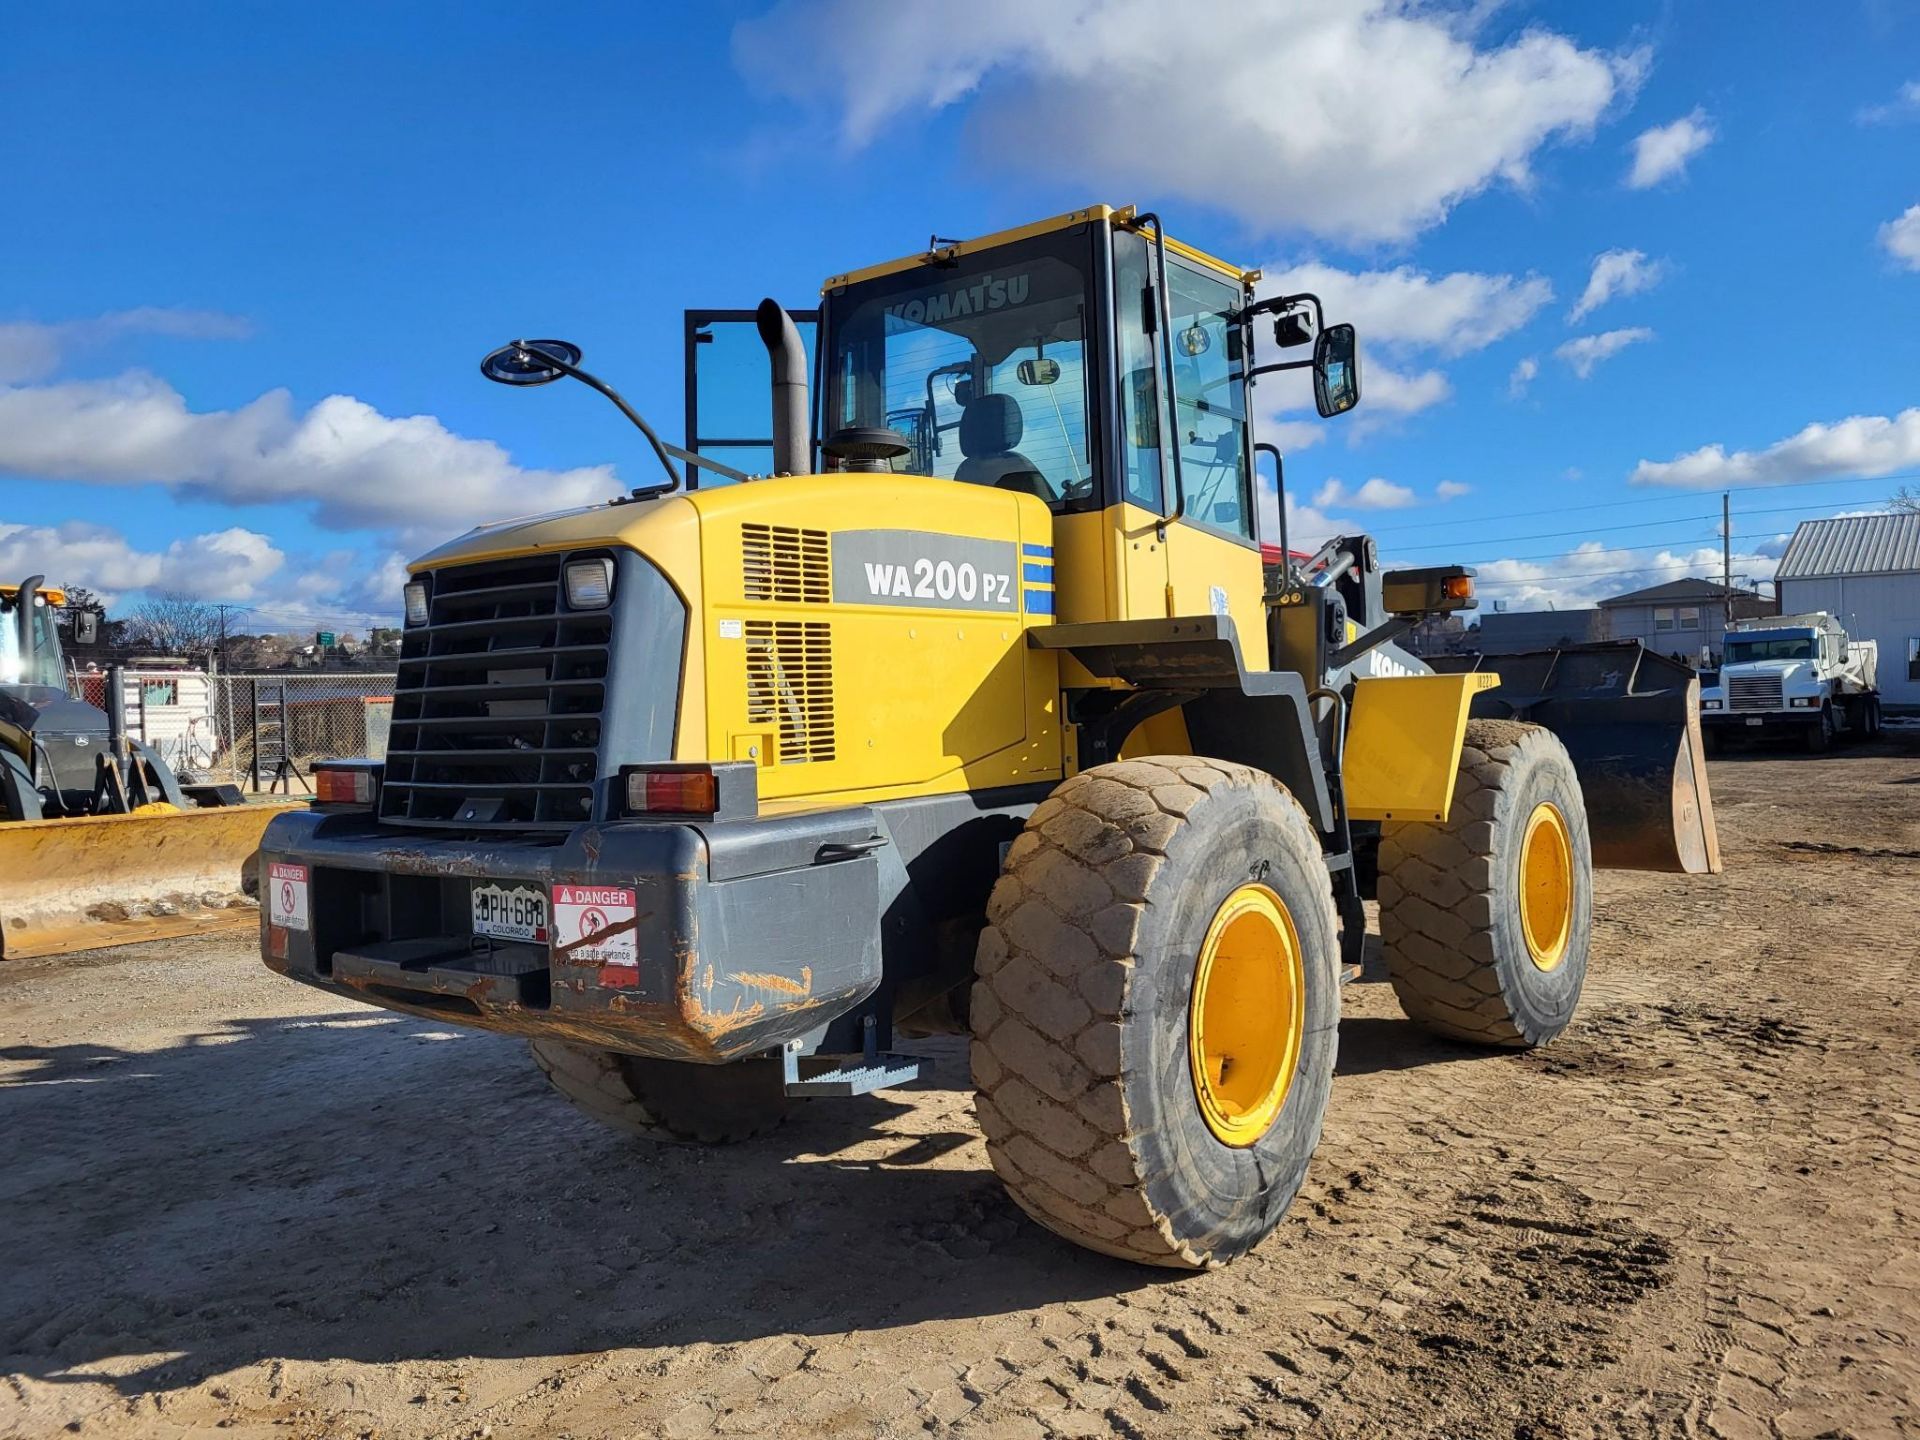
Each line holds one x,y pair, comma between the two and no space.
792,450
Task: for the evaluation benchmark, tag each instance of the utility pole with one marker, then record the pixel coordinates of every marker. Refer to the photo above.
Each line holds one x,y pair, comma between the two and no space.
1726,555
223,607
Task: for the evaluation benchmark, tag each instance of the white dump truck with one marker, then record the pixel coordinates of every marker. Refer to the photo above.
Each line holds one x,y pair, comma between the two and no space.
1794,673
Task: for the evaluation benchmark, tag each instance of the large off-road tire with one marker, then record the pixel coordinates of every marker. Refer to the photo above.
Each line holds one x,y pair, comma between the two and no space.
1486,918
665,1100
1156,1009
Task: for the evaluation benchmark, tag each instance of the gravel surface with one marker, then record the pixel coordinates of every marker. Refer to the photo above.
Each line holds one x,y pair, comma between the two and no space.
232,1203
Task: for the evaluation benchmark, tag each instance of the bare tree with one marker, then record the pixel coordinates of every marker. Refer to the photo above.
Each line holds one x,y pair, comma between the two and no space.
172,624
1906,500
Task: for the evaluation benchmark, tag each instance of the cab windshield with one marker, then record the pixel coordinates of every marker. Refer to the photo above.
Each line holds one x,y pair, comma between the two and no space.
42,666
981,366
1769,647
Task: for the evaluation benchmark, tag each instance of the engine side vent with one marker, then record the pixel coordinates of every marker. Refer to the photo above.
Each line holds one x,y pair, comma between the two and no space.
784,563
790,685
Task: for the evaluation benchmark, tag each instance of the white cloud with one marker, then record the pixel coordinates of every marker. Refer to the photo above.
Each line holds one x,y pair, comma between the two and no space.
1451,490
1522,376
232,564
1663,152
1592,571
1616,273
1405,307
1586,353
1355,119
359,469
1375,494
1905,105
1900,238
1385,392
1863,445
32,350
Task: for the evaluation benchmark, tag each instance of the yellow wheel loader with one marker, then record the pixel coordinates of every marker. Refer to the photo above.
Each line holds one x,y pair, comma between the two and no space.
977,711
100,843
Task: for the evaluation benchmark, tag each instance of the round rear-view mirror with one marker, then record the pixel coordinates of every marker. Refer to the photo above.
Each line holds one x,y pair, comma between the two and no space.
529,362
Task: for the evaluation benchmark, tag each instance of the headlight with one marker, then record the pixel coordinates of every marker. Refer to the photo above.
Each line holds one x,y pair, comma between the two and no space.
416,593
1804,702
1709,704
589,584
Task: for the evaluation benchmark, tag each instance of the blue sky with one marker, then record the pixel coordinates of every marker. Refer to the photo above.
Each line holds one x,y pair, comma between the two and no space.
255,253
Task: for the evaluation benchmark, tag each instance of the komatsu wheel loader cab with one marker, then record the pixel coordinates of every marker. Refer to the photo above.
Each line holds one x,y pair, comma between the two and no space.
973,710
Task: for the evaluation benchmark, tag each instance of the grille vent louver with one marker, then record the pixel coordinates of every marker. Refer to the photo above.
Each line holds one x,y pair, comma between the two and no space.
790,685
1755,692
497,704
784,563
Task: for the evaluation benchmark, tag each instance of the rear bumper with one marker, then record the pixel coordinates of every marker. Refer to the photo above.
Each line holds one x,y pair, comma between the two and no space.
745,935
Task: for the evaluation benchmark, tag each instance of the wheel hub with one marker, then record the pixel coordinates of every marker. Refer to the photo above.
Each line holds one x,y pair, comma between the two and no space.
1546,886
1247,1018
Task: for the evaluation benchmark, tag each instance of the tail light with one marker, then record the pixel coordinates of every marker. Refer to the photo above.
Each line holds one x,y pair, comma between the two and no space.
672,792
347,784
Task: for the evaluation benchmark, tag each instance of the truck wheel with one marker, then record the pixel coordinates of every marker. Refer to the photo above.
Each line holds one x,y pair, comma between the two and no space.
1485,917
666,1100
1820,733
1156,1010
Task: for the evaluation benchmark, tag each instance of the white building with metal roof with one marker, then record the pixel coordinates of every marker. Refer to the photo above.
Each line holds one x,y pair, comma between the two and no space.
1864,570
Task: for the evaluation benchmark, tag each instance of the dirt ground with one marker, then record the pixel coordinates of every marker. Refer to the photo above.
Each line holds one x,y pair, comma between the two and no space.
229,1203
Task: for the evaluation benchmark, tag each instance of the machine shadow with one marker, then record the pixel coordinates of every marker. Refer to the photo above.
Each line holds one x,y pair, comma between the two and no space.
368,1187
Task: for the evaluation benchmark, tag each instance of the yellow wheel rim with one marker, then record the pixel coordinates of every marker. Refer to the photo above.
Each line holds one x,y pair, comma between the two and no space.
1247,1017
1546,887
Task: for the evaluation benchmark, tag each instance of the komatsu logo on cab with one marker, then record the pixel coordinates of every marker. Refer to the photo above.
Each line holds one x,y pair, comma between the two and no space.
917,567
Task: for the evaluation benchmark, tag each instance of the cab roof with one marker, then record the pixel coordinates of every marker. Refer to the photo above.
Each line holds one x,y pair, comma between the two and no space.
1124,215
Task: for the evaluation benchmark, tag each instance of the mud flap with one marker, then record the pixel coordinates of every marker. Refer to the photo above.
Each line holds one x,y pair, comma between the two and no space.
79,884
1630,720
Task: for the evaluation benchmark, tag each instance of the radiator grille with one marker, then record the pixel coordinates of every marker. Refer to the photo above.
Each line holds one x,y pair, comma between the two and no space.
790,685
1754,692
497,705
780,562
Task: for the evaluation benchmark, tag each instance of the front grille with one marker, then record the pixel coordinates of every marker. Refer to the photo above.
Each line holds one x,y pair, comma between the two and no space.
780,562
790,686
497,706
1754,692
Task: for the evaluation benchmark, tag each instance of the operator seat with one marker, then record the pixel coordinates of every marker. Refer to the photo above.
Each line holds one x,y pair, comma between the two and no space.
990,428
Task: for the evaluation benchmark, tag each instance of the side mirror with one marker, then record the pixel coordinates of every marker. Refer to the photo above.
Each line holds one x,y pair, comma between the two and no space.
86,627
1336,371
1038,372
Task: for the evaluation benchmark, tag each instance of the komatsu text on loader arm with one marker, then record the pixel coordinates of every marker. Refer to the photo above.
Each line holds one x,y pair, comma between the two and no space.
954,697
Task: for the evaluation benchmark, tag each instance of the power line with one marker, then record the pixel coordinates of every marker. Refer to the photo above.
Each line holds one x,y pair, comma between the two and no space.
1648,500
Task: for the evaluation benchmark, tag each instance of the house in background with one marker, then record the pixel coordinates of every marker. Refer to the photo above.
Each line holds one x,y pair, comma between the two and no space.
1511,632
1682,617
1864,570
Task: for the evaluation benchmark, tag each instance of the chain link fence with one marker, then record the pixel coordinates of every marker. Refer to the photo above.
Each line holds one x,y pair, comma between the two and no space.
262,732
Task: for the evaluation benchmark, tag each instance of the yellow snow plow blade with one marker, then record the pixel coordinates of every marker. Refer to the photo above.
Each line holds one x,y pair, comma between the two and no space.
99,880
1630,720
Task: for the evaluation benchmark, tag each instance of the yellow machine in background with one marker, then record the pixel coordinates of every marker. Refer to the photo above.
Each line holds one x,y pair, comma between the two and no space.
100,844
978,708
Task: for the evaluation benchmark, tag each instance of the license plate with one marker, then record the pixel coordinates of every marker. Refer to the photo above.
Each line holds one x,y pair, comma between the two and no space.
519,913
1755,720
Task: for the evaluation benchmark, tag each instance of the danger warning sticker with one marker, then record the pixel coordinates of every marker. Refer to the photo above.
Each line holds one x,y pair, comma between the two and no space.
287,896
596,925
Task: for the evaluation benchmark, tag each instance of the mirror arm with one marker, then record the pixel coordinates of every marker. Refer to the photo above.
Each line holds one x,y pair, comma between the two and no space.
1279,365
1171,405
595,382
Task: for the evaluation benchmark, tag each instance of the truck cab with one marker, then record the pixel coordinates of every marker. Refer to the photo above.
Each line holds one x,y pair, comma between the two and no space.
1796,674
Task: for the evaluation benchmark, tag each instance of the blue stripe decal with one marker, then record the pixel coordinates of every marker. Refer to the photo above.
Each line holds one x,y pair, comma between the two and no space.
1041,574
1045,552
1039,602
